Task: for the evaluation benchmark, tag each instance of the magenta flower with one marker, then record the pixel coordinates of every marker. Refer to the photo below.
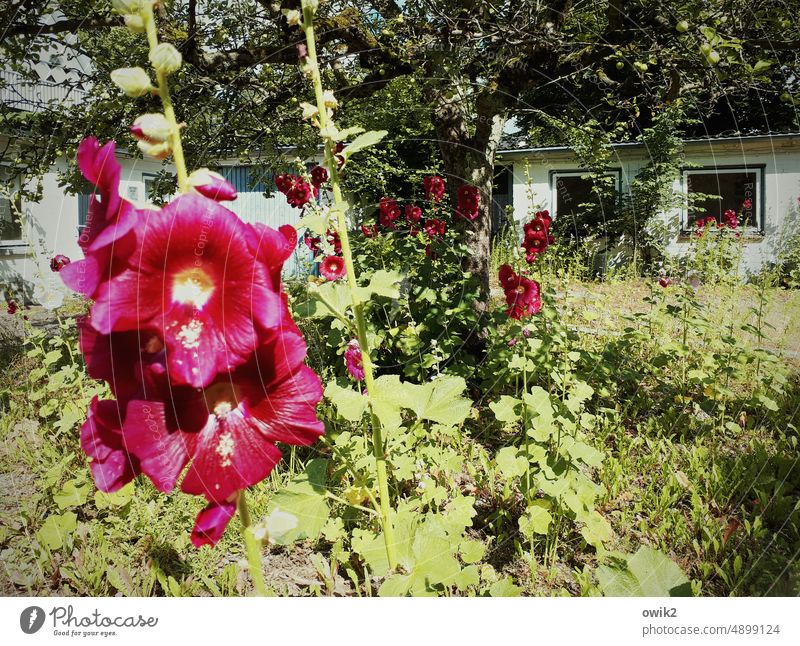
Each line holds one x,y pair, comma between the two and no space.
413,214
196,283
332,267
58,262
434,187
112,466
468,202
354,361
434,227
211,522
522,294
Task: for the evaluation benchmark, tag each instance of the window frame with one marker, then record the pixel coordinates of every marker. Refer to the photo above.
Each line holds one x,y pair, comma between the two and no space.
759,200
615,171
13,245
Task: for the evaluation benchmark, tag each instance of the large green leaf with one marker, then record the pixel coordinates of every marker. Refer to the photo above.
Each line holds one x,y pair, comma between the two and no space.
439,400
325,301
303,498
56,528
349,403
507,409
364,140
648,573
382,283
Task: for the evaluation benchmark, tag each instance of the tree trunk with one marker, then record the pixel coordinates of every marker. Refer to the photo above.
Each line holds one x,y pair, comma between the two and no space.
469,159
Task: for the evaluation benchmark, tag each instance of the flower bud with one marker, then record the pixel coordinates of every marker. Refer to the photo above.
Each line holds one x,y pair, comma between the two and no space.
293,17
152,128
212,185
133,81
130,6
309,111
156,151
135,23
165,58
329,99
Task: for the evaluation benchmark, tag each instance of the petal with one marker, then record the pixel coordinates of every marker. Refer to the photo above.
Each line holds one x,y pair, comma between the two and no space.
125,302
288,412
231,455
211,523
162,449
112,467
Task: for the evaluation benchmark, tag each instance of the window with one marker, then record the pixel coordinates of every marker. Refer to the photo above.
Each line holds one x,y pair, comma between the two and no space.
245,179
502,196
720,189
10,206
578,205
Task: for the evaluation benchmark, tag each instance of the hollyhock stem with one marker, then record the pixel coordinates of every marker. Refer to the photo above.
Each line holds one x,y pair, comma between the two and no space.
358,307
252,546
166,102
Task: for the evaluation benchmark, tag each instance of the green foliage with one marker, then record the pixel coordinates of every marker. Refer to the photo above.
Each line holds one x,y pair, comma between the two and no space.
648,573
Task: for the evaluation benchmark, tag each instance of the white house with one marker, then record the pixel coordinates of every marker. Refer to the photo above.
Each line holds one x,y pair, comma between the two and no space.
52,224
764,169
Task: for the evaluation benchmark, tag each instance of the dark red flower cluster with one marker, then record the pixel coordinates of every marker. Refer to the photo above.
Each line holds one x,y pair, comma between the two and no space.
702,224
730,219
297,190
370,231
434,187
389,211
191,330
434,227
318,176
468,202
537,235
11,306
747,204
665,281
58,262
314,243
413,214
523,296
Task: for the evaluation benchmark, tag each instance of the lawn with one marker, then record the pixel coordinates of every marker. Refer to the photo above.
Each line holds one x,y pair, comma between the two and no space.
688,449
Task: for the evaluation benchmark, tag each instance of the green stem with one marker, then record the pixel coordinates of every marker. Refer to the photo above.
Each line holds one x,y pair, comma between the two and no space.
252,546
339,207
166,102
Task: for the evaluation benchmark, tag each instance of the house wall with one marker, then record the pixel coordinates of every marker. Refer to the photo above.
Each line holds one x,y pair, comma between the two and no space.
52,224
781,185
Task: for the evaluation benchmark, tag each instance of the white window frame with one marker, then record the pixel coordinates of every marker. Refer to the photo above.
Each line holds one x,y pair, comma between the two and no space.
759,206
19,244
556,174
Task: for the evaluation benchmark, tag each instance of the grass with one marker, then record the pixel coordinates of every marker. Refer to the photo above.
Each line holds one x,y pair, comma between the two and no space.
719,491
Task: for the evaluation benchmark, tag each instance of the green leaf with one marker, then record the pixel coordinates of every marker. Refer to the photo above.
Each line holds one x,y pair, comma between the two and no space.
535,521
648,573
510,463
505,588
597,529
56,528
304,498
762,66
72,494
538,402
438,401
506,409
350,404
471,551
363,140
315,223
385,398
396,585
103,500
383,283
434,559
324,301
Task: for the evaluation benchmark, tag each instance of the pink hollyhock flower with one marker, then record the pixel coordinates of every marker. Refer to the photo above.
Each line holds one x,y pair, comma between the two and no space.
522,294
58,262
413,214
468,202
212,185
665,281
332,267
536,240
272,248
107,239
354,361
434,227
370,231
211,522
319,175
194,281
434,187
112,466
512,343
226,432
333,239
11,306
747,204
